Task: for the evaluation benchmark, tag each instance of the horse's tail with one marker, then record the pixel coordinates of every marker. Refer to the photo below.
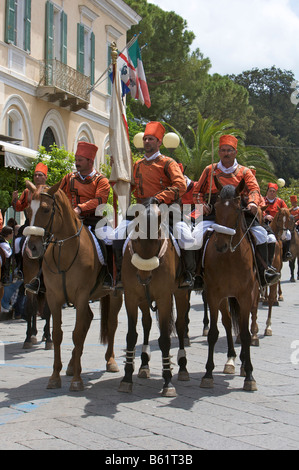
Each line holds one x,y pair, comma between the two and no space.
105,309
234,309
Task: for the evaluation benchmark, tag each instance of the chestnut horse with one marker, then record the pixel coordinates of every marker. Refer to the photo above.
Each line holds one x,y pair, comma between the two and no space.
72,273
279,225
150,270
229,275
294,248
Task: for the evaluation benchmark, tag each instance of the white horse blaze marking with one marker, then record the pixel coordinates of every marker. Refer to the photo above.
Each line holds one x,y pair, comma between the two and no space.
35,204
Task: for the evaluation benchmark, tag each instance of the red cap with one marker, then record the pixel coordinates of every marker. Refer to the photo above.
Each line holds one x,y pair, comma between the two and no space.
273,186
228,140
86,150
42,168
156,129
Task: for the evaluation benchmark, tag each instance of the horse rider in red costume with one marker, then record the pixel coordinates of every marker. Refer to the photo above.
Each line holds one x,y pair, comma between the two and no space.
85,188
157,179
229,171
273,204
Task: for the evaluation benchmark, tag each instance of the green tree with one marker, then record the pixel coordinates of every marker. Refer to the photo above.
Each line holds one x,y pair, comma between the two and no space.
59,162
276,119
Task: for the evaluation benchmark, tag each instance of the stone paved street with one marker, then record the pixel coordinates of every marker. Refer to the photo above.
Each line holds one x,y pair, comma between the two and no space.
100,417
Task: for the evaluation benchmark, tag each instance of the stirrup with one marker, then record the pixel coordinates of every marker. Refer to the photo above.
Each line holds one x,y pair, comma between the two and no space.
33,286
271,276
188,281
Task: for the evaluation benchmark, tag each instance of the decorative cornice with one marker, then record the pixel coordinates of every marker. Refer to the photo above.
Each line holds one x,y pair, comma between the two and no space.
119,11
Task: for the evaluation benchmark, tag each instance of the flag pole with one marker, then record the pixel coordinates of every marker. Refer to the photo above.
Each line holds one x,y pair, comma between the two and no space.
114,55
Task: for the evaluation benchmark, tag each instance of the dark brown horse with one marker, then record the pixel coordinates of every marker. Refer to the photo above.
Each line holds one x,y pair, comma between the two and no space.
294,248
229,275
150,274
35,304
72,273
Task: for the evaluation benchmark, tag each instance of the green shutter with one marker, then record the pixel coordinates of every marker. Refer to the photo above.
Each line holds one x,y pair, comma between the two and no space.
80,48
64,37
10,33
49,42
92,58
27,20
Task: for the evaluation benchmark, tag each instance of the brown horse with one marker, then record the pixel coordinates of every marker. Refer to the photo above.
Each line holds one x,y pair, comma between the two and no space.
72,273
294,248
229,274
150,274
279,226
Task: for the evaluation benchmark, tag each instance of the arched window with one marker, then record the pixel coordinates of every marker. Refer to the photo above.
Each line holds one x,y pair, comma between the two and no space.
48,139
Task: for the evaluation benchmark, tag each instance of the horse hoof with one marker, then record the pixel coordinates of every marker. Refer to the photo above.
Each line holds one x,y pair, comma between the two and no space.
206,383
144,373
54,383
27,345
280,298
76,386
250,386
268,332
183,376
112,367
49,345
125,387
292,279
255,342
169,392
229,369
34,340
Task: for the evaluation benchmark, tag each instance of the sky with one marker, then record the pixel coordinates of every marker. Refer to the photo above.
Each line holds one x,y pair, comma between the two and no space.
239,35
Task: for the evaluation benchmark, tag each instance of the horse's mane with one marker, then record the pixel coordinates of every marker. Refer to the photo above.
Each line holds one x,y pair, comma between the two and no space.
228,192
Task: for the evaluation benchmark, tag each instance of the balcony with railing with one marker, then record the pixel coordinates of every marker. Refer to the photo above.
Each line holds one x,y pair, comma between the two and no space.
63,85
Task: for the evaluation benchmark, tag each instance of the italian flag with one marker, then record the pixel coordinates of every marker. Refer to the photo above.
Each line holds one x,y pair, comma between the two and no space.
132,74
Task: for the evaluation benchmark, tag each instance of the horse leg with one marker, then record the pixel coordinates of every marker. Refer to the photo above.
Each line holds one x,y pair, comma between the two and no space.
55,380
206,316
271,300
47,334
207,380
112,323
182,299
126,384
229,367
254,326
144,371
249,382
292,269
84,317
164,344
31,307
280,296
187,321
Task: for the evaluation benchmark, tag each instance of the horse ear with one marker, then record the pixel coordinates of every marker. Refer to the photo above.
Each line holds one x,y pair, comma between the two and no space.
217,183
240,187
30,186
54,188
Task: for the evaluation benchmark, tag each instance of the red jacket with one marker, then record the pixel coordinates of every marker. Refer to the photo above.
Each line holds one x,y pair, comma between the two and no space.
272,208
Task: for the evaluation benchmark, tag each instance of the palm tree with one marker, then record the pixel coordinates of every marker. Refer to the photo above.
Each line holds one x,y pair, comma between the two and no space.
206,140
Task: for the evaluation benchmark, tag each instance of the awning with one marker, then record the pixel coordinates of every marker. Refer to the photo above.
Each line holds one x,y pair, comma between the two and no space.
16,156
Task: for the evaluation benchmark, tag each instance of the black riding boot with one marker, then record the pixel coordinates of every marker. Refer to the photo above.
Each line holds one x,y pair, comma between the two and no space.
118,257
268,274
189,267
286,254
5,271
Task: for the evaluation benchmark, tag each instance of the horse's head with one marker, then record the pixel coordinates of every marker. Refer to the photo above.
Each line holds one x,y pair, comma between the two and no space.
228,211
147,245
280,223
41,213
